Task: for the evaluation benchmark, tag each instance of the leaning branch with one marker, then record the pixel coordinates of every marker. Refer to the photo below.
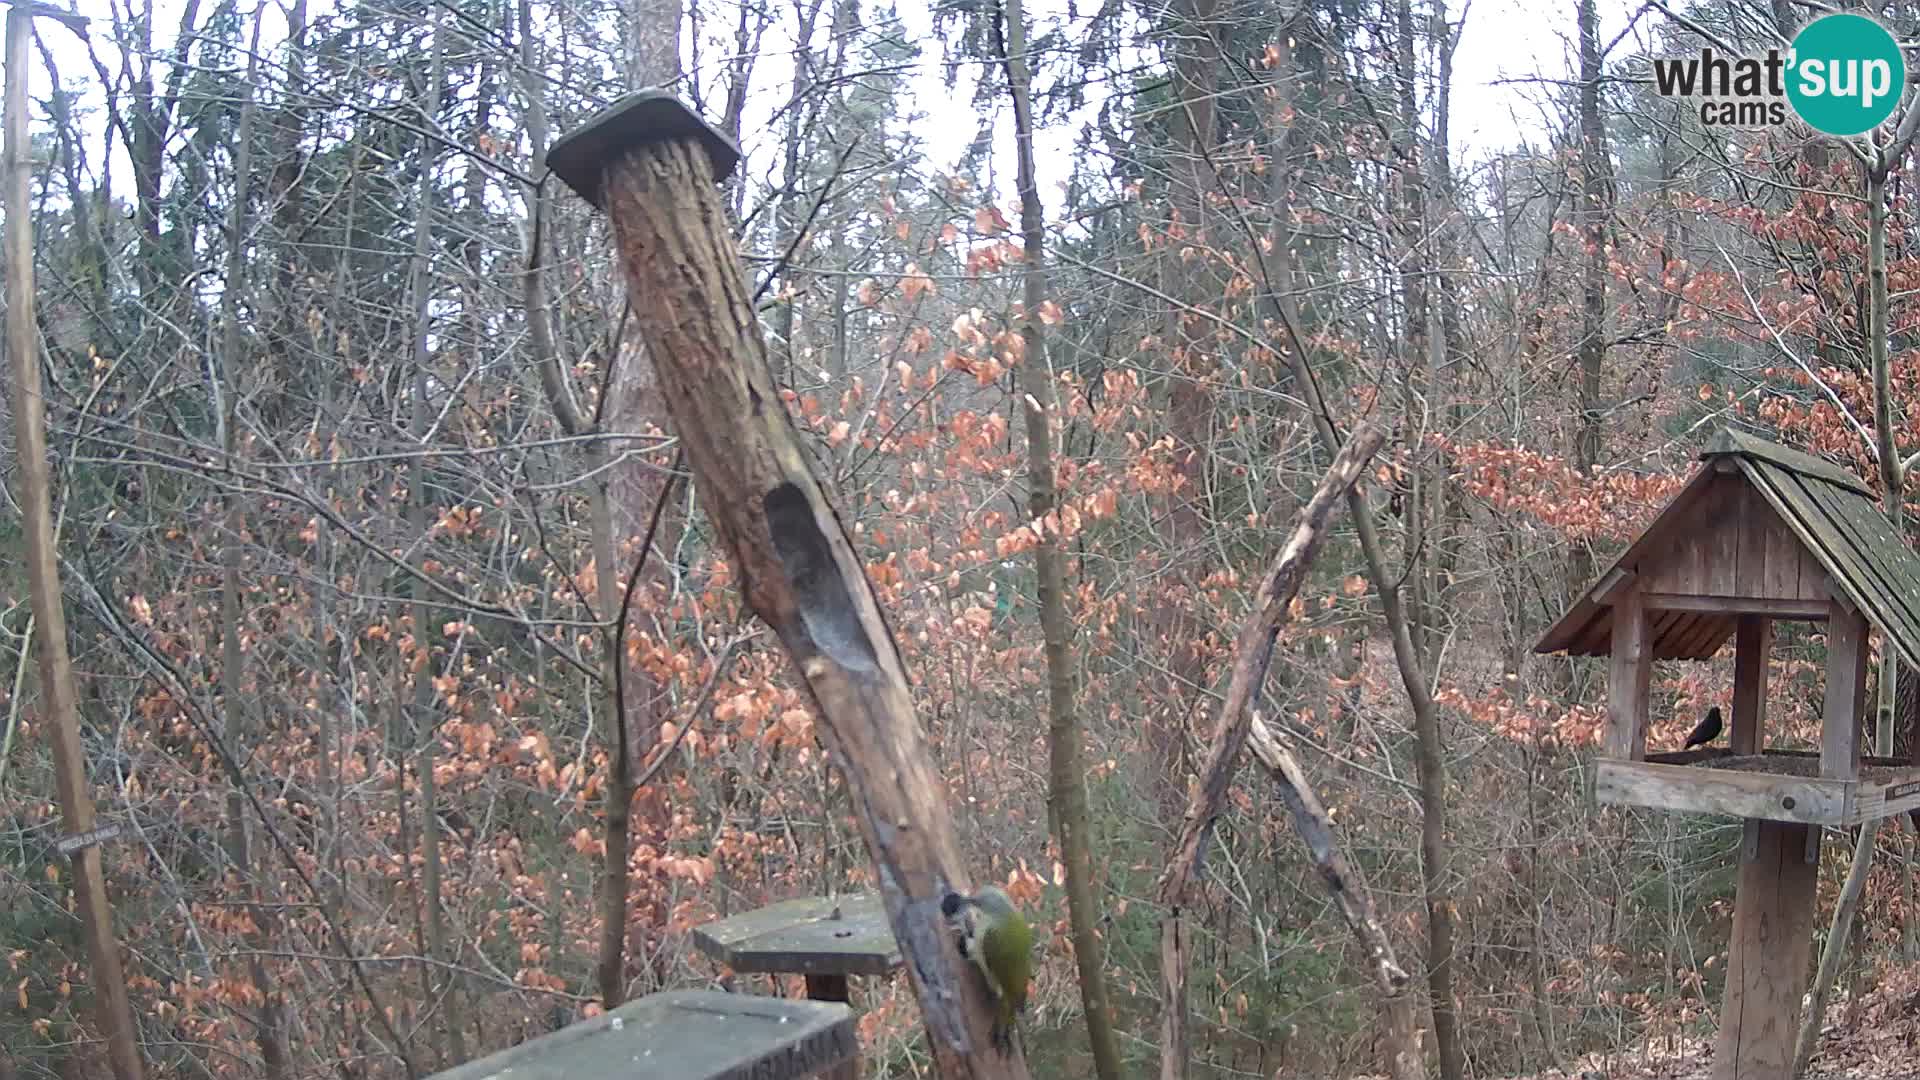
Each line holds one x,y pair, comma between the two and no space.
1252,653
1315,826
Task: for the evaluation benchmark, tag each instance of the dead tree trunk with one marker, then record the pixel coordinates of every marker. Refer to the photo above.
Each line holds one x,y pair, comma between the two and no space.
1252,651
652,165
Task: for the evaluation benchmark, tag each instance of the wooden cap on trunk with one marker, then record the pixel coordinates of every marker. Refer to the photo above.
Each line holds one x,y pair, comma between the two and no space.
581,156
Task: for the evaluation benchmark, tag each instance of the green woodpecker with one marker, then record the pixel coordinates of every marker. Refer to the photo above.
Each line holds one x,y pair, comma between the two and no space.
1000,944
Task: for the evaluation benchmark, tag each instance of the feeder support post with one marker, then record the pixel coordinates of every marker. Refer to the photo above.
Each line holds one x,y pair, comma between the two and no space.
653,165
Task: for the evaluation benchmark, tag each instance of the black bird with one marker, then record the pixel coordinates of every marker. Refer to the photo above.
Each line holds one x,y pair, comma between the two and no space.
1706,731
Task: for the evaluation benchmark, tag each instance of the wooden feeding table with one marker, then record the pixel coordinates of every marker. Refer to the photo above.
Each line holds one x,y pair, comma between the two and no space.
1777,785
1760,533
684,1035
823,938
826,939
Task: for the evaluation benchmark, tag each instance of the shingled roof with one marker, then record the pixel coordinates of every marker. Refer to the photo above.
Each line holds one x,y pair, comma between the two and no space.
1832,514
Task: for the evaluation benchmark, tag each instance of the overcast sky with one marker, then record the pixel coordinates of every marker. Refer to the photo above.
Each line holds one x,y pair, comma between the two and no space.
1502,40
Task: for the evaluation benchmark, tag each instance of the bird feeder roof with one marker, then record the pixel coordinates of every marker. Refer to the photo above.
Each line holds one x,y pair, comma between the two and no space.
1758,528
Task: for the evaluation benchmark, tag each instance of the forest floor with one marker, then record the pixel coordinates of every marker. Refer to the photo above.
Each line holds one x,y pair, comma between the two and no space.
1882,1042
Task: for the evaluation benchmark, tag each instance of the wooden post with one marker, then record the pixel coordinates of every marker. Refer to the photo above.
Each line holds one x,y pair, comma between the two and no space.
1629,669
834,988
1840,737
652,165
1846,693
1752,644
1767,958
828,988
59,698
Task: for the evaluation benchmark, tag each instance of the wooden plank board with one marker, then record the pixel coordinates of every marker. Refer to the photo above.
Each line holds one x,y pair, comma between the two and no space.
1784,550
1666,527
1875,801
1680,567
1767,957
1660,624
1803,610
1708,635
1881,574
1596,637
1629,670
847,935
1688,757
1666,634
1753,644
1694,632
1755,520
1729,441
1815,582
1893,548
1886,574
1583,631
1898,566
1720,540
1697,790
684,1035
1885,766
1806,520
1846,694
1688,642
1612,584
1694,554
1693,558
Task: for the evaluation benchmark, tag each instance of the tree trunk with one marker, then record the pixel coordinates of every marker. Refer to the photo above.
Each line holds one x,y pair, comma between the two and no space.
655,42
1591,350
1067,778
626,491
1888,451
1836,947
424,729
269,1035
59,701
1404,1058
1189,404
795,562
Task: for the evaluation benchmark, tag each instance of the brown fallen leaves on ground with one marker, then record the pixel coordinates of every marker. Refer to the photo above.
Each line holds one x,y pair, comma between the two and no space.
1882,1044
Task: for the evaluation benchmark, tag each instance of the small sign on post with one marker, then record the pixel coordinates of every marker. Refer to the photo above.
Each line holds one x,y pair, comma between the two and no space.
72,844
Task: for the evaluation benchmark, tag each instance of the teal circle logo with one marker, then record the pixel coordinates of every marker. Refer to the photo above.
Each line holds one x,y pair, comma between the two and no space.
1846,74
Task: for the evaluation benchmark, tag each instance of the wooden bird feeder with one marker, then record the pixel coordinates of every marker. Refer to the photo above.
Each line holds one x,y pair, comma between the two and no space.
825,939
1760,533
684,1035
